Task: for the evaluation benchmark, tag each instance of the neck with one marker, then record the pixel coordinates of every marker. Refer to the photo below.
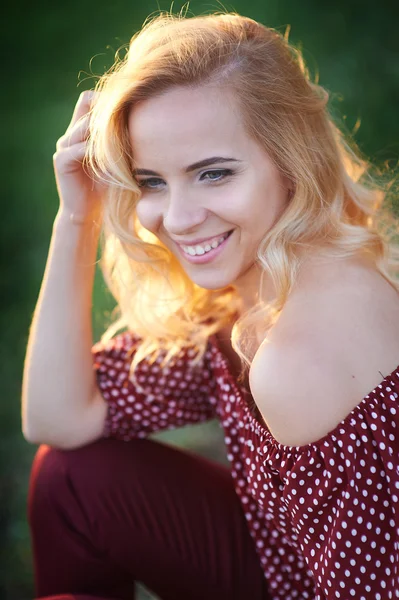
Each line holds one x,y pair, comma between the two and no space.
247,287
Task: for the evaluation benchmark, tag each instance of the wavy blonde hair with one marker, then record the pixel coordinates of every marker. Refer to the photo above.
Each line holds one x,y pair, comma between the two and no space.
337,206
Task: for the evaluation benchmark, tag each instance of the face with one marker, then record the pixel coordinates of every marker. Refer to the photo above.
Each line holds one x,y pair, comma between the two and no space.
202,177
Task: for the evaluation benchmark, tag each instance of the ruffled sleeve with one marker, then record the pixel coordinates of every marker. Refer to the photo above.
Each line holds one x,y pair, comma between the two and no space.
164,397
342,493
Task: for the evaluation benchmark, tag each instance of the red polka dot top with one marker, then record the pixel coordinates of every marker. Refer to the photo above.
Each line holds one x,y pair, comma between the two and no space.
325,516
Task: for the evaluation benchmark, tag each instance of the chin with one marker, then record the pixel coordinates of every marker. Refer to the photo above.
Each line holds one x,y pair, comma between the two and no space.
212,281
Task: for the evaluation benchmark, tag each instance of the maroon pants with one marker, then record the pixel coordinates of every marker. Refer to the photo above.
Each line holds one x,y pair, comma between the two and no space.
111,513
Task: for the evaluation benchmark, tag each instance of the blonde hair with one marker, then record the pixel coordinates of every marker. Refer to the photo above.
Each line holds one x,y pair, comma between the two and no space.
337,206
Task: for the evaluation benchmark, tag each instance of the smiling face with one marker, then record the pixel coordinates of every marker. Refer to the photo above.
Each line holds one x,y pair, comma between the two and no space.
202,176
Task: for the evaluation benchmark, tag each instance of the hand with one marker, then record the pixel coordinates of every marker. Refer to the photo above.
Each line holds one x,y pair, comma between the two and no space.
80,192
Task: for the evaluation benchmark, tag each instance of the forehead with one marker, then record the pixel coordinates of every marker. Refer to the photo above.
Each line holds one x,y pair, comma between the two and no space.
185,121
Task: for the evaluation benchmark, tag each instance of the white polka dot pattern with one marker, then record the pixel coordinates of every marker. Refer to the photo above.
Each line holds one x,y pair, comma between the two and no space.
324,516
165,398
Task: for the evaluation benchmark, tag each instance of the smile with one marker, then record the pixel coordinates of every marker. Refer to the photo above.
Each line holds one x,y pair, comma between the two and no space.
205,252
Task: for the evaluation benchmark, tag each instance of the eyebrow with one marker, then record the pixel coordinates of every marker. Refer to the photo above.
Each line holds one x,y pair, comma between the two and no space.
198,165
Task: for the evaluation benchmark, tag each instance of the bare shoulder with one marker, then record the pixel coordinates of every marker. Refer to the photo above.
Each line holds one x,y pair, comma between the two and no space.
335,341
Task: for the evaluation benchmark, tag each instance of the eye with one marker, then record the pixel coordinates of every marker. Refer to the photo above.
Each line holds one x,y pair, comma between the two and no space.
155,183
216,175
151,183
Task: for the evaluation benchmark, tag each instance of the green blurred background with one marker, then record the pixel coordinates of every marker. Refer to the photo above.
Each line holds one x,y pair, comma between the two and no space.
46,63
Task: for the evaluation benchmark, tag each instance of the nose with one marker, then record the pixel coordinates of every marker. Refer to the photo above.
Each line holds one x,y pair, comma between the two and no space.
182,214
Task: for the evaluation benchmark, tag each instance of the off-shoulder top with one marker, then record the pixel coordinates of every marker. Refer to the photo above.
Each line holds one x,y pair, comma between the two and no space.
324,517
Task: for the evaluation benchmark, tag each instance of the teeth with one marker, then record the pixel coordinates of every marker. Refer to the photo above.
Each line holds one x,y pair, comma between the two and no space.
199,250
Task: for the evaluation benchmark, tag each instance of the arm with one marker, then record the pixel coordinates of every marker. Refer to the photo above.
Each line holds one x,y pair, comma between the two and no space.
58,380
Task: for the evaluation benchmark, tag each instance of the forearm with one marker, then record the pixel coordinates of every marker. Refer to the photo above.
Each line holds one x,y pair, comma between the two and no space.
58,378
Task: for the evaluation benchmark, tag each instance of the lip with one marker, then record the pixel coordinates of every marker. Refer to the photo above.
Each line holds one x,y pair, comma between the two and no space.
208,256
199,240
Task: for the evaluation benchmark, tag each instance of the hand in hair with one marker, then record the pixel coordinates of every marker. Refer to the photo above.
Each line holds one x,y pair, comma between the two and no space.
79,191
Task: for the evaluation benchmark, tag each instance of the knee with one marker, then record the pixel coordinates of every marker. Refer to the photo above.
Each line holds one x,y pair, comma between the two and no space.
51,471
56,474
46,477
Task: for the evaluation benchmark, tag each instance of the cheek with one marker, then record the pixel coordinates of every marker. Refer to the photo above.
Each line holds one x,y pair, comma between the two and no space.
148,215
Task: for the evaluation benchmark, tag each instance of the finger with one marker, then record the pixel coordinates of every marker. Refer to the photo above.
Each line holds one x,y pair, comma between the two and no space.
82,106
75,134
69,159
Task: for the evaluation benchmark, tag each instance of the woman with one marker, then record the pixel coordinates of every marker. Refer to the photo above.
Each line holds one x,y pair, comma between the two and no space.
248,253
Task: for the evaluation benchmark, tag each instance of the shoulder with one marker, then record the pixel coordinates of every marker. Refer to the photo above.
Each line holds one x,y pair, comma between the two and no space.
329,349
299,390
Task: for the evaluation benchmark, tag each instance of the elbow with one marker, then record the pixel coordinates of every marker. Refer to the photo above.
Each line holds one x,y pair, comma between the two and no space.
29,438
70,442
40,434
28,430
28,433
36,438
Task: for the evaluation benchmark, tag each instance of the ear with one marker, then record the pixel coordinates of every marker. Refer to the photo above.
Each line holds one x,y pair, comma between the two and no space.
290,186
